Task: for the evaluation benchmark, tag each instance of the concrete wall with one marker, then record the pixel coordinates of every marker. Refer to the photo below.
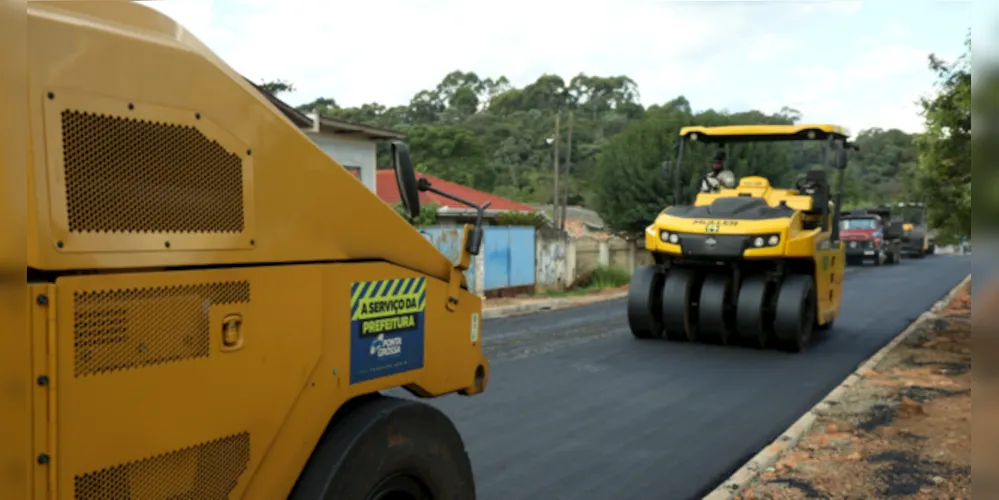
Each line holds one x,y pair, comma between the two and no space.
591,253
349,152
558,260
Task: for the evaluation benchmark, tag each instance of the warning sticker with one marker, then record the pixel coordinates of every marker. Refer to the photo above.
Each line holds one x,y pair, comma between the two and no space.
386,322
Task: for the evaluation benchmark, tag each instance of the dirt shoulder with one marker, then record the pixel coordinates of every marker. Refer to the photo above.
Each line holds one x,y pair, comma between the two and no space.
902,431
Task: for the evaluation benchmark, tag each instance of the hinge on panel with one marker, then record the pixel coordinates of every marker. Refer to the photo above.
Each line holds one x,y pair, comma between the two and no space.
43,366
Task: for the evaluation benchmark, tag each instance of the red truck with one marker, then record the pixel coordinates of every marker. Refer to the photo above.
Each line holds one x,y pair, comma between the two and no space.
870,234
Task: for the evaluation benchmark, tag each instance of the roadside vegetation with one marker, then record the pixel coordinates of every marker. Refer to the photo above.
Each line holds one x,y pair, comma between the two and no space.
599,279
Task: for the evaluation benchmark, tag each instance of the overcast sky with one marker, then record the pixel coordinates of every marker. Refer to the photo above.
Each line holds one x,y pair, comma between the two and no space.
860,64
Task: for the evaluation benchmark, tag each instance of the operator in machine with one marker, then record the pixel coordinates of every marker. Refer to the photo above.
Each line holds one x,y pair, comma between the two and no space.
719,177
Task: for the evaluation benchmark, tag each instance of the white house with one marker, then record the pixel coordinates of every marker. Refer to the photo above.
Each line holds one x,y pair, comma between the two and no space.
351,144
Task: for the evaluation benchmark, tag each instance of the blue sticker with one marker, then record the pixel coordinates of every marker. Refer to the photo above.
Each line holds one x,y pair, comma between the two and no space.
386,327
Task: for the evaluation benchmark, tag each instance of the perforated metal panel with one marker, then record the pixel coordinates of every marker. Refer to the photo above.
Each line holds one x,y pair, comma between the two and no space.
131,328
125,175
208,471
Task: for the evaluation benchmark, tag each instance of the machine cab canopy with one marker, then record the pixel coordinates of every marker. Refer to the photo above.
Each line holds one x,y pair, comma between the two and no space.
763,133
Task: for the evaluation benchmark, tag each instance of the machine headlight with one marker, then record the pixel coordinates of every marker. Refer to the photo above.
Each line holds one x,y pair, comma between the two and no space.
764,241
669,237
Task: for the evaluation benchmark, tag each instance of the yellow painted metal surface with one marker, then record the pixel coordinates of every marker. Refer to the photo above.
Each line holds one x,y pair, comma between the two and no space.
148,153
127,63
760,187
759,132
830,265
795,242
16,464
145,380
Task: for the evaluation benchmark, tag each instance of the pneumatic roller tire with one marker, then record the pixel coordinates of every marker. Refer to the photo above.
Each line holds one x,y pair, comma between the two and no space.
644,298
714,312
794,318
753,319
679,312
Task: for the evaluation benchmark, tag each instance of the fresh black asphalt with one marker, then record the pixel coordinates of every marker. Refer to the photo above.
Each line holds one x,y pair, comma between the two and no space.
576,408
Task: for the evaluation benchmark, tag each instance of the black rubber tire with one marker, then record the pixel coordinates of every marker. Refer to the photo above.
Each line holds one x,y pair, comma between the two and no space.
382,439
715,321
880,258
679,315
644,299
794,318
752,319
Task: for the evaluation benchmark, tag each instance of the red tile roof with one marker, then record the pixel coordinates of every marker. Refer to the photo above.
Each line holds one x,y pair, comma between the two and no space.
388,191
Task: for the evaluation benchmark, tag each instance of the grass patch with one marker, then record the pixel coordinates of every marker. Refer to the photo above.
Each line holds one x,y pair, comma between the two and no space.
601,278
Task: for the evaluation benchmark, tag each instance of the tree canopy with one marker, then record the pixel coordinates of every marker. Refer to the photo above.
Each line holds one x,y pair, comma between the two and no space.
487,134
943,178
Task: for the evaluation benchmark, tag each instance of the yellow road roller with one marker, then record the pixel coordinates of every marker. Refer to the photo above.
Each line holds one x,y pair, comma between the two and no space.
747,262
216,307
917,238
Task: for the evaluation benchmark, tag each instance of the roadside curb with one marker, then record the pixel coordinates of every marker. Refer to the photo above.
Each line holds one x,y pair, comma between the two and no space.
551,305
789,438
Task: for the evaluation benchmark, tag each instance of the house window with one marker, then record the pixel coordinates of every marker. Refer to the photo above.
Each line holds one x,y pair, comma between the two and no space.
355,171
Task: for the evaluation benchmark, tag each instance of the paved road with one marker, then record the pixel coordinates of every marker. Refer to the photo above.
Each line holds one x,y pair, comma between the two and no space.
576,408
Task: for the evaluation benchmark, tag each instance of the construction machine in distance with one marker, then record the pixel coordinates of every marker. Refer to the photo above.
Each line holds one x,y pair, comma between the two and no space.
752,264
871,234
917,238
216,305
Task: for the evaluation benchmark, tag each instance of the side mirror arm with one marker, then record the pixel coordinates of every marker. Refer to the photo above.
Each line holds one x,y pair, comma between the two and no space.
475,239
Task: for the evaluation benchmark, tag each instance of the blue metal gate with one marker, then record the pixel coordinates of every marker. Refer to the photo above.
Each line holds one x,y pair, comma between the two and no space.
509,254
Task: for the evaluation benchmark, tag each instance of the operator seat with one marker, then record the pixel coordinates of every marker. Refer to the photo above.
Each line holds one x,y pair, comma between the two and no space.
821,195
820,199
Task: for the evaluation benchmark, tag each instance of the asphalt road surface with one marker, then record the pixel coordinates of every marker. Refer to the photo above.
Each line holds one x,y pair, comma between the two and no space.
576,408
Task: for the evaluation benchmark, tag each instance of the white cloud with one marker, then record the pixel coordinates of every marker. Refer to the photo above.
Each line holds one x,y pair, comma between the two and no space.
768,47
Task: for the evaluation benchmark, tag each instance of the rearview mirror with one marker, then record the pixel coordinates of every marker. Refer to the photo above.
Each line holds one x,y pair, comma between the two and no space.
474,244
840,158
405,178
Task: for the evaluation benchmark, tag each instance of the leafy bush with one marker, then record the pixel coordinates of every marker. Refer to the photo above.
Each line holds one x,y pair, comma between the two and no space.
534,219
609,277
603,277
427,217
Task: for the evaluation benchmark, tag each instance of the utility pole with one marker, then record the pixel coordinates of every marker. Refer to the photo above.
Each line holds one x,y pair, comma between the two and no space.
568,166
555,196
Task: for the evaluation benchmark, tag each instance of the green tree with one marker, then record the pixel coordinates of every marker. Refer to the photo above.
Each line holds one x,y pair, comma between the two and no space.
943,175
276,87
482,132
632,186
